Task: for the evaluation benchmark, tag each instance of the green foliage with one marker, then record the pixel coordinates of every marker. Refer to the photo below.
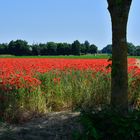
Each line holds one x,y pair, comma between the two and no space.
15,102
87,45
59,90
108,124
18,47
4,48
107,49
51,48
132,49
62,90
137,51
21,47
75,48
93,49
75,89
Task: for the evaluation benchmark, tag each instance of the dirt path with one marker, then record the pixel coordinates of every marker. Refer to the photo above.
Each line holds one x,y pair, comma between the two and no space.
54,126
138,62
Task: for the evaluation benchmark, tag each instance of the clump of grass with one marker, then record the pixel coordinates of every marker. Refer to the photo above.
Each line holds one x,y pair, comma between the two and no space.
20,104
75,89
134,91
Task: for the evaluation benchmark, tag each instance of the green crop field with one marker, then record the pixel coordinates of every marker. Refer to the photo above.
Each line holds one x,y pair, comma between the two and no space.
99,56
138,57
60,56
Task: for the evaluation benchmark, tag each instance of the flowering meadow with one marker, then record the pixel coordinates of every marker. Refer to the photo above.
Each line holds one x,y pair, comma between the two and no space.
32,86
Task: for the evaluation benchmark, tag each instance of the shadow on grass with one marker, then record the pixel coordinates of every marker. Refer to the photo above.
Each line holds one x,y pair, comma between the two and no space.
54,126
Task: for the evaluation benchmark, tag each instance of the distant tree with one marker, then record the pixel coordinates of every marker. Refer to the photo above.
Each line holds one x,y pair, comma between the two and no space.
83,49
68,48
131,49
76,48
107,49
87,46
43,49
11,47
30,49
36,49
137,50
93,49
4,48
51,48
21,47
18,47
61,49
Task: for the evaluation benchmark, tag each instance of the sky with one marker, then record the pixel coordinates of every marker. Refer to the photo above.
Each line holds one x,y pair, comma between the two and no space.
41,21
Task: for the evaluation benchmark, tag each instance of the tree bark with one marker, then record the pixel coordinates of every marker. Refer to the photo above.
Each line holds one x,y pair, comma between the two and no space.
119,11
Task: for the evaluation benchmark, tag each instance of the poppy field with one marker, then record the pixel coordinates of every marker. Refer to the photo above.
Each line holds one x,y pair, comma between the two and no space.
32,86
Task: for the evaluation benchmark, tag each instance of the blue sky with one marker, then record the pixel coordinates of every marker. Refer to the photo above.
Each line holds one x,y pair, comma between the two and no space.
62,21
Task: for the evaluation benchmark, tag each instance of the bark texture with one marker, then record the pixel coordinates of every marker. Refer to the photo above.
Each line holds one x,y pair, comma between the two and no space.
119,11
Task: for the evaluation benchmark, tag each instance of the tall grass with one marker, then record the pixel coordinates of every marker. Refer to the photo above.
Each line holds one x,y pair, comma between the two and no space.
61,90
75,89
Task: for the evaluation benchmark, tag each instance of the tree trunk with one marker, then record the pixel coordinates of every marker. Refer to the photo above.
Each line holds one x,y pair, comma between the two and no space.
119,11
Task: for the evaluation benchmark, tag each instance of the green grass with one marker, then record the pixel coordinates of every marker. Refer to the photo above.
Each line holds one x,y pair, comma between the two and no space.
98,56
61,90
138,57
61,56
75,90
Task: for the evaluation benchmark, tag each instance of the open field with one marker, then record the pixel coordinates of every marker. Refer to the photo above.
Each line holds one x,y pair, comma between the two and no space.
137,57
60,56
46,90
97,56
36,86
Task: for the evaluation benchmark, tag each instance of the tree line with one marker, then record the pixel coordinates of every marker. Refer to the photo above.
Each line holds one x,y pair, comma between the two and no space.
132,50
21,48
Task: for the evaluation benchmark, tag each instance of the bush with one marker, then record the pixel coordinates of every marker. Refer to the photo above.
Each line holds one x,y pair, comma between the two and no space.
110,125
